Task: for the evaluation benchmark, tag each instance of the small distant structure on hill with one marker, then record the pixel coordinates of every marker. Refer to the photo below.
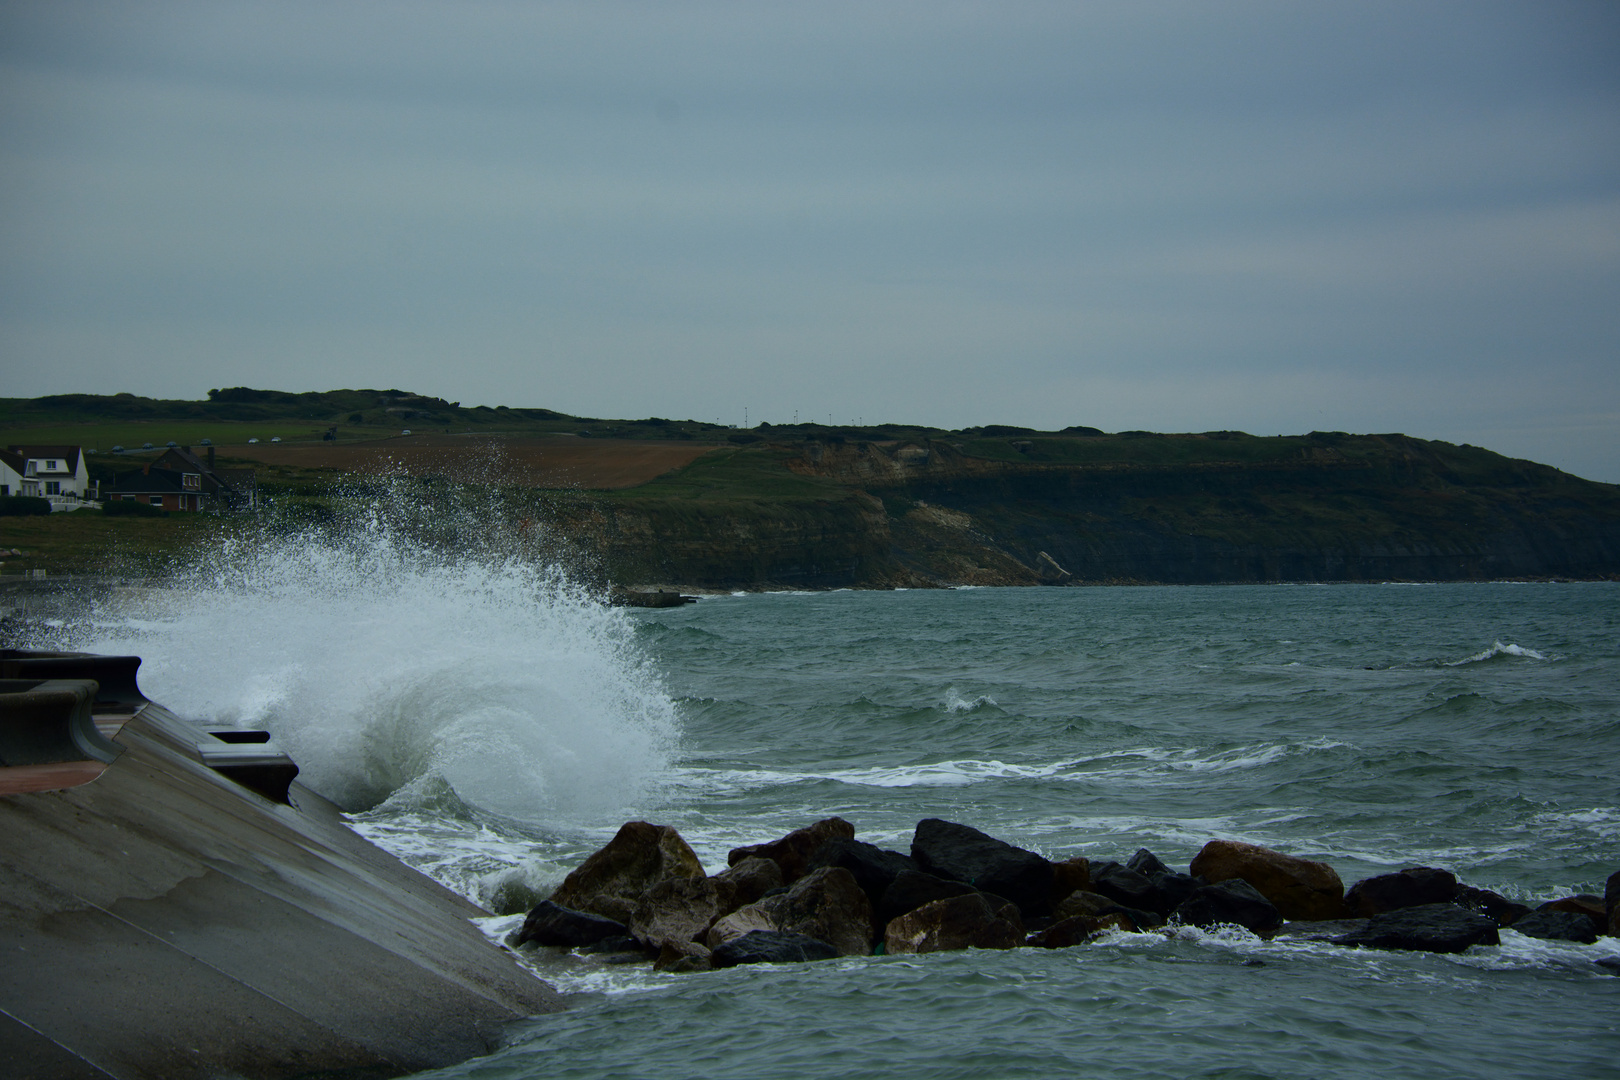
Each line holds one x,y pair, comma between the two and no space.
180,480
54,472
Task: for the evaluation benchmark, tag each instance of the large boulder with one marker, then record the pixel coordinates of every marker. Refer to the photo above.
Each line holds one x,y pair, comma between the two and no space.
676,909
747,881
678,957
971,921
1414,886
1323,930
874,869
1580,904
1082,904
1078,930
1493,904
1557,926
1233,902
1127,887
1300,888
549,923
911,889
1147,864
771,947
792,852
962,853
1070,875
612,880
1437,928
825,904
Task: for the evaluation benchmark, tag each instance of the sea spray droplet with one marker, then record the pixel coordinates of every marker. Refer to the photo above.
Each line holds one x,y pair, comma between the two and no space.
386,660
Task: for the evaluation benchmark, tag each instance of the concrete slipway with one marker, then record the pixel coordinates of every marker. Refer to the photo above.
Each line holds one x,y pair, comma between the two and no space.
182,910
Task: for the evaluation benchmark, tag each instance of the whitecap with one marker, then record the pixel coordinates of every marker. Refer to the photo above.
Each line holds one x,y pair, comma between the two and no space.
1497,649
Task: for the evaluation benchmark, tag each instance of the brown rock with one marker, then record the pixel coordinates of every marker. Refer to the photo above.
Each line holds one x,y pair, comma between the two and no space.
971,921
1298,888
1414,886
827,904
1079,930
793,851
612,880
745,920
677,957
1069,876
1088,905
747,880
675,909
1582,904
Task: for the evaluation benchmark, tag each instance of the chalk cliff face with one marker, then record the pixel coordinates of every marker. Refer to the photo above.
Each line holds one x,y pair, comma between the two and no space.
1319,508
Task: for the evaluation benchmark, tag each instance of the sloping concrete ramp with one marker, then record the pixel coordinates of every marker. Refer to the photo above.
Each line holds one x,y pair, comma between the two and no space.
159,919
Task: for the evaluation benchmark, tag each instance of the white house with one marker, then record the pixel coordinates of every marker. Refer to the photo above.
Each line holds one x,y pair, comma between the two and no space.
57,473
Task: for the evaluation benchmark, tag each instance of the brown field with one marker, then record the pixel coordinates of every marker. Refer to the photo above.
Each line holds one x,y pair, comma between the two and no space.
543,461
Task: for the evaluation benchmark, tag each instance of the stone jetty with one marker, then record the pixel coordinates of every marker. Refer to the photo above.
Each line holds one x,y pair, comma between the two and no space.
819,893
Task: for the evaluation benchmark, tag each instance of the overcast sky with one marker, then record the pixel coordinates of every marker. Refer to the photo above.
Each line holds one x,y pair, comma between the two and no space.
1274,217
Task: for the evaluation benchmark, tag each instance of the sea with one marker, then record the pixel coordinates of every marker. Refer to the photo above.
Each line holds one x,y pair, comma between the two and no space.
485,716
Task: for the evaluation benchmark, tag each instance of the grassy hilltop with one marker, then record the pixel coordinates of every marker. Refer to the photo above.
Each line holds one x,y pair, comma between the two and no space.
693,503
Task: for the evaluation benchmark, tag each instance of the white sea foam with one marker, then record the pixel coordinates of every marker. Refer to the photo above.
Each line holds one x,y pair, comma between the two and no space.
1498,649
956,702
390,666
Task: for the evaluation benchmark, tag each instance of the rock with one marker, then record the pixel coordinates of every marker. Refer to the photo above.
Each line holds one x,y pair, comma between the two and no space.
1147,864
1581,904
1230,902
748,880
678,957
1322,930
911,889
676,909
793,851
1090,904
618,943
825,904
1299,888
1176,888
971,921
771,947
962,853
745,920
1078,930
1439,928
1418,885
1611,903
612,880
1557,926
1070,875
1486,902
552,924
1611,964
874,869
1127,887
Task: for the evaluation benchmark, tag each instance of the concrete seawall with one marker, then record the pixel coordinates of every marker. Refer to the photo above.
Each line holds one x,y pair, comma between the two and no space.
160,919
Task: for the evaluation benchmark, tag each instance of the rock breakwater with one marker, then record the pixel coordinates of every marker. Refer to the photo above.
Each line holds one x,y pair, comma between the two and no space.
819,893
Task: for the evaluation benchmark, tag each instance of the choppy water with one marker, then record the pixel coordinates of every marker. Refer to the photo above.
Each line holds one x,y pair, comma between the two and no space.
493,726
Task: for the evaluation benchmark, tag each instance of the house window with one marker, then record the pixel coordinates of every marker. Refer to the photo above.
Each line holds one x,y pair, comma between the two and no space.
53,487
157,500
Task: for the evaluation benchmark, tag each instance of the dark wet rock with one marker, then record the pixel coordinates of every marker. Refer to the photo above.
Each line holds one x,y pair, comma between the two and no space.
771,947
1611,892
1321,929
1611,964
962,853
677,909
1233,902
1557,926
1079,930
793,851
1581,904
1070,875
1299,888
874,869
1090,904
971,921
1127,887
1438,928
612,880
748,881
1147,864
552,924
1175,888
678,957
825,904
1493,904
1412,887
618,943
911,889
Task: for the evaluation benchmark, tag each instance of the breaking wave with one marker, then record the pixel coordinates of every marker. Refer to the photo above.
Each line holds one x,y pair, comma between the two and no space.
1497,649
